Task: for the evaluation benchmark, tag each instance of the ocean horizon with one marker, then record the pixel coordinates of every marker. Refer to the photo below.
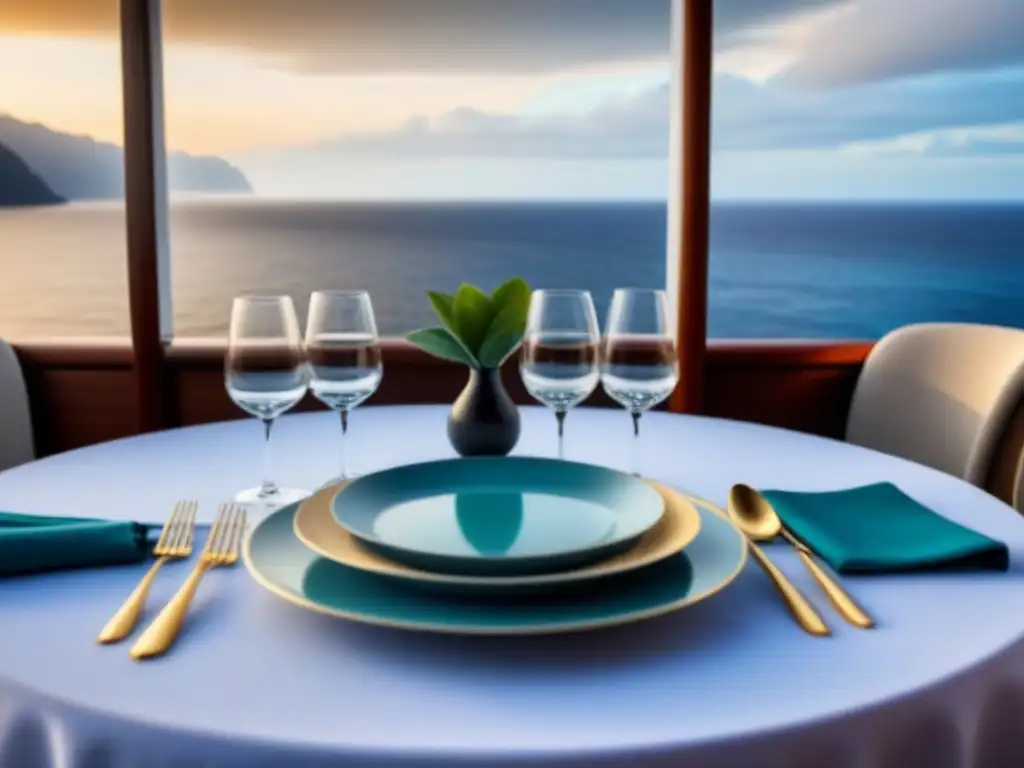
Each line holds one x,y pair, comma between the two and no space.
779,269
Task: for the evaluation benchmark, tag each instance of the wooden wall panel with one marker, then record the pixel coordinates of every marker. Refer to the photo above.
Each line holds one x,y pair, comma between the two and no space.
83,394
809,400
79,394
72,409
800,386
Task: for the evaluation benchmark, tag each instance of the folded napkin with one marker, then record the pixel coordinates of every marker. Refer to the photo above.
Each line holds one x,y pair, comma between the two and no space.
878,528
31,543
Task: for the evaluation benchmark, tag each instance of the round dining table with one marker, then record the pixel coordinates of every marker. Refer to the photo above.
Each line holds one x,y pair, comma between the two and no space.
254,681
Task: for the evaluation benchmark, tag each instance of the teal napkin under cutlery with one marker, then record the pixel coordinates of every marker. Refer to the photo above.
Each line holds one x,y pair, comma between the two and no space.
880,529
35,543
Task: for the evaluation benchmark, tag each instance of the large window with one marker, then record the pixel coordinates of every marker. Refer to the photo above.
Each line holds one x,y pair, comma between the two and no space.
62,224
867,172
398,146
868,166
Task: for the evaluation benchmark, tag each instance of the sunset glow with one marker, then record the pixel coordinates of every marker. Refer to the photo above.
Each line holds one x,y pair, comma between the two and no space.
302,102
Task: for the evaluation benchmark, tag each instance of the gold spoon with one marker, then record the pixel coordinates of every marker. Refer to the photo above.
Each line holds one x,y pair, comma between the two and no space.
802,611
759,520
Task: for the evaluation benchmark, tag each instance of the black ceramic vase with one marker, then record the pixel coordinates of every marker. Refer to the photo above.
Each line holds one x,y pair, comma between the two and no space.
484,421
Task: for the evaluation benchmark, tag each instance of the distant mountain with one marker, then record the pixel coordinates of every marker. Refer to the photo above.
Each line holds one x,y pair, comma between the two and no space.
20,185
81,168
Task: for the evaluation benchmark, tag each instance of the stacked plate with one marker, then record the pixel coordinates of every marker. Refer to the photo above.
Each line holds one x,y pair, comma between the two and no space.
496,546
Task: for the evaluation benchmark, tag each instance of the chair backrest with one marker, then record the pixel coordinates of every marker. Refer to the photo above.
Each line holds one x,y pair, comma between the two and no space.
1005,479
940,394
16,443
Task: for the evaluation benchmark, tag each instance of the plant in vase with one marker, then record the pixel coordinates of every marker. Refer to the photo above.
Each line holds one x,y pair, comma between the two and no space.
480,332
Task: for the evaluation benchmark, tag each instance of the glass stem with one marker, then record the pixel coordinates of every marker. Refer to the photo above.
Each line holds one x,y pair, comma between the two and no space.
344,443
636,441
560,418
267,488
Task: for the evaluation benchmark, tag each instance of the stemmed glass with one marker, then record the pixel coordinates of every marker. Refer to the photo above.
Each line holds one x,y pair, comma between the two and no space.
639,366
344,355
559,362
265,374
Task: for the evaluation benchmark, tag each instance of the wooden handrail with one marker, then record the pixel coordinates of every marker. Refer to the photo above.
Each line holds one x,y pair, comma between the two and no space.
116,353
109,354
781,353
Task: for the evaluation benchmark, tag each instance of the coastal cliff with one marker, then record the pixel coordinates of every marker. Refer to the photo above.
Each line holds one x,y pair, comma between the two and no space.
20,185
81,168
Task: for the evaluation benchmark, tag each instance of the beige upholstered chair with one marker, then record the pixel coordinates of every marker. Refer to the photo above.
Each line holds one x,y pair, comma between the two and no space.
1006,473
16,443
948,395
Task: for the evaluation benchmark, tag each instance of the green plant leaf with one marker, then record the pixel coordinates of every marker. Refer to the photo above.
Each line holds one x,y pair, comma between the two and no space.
506,331
442,304
439,342
474,313
514,287
498,348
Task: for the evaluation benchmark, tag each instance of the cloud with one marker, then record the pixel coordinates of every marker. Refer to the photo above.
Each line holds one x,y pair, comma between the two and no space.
633,127
746,117
986,141
849,41
744,22
884,39
733,16
384,36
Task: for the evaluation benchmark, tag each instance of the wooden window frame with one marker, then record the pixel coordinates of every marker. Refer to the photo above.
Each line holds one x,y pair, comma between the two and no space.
690,194
146,208
157,359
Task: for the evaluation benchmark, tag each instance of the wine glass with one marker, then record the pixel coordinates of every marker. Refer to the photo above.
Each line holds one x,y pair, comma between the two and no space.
639,366
265,374
559,362
344,355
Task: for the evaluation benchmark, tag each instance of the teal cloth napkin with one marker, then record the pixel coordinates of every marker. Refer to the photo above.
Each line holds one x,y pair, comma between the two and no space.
878,529
32,543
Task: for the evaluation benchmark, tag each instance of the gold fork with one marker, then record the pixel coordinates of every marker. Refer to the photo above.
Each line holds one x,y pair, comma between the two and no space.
175,542
221,549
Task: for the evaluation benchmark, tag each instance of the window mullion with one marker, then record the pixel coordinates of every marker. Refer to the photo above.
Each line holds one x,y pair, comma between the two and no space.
145,203
689,197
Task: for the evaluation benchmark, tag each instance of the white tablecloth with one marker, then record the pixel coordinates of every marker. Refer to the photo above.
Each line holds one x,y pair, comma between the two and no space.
730,682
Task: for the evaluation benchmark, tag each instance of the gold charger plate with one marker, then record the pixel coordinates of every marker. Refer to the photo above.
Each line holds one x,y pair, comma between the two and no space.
316,527
283,565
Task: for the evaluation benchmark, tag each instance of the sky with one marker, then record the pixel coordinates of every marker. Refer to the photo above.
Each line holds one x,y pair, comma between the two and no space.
560,99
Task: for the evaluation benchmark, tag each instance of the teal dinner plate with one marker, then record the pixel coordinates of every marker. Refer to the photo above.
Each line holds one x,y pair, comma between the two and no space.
316,527
278,561
498,516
